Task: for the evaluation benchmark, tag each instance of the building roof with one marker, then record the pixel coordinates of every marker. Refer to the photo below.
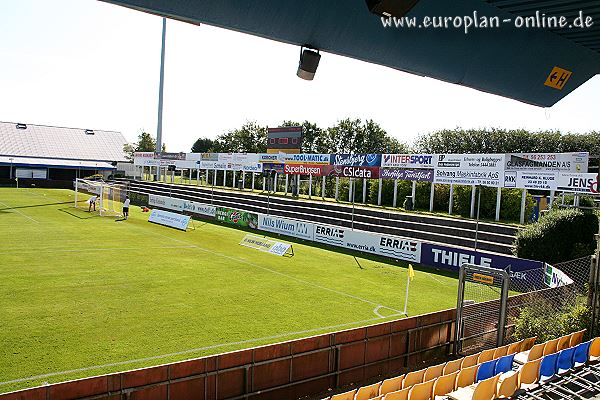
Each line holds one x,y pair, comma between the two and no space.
507,60
51,142
33,162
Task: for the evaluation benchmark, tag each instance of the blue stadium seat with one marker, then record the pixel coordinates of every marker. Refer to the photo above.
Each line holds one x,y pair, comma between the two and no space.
565,360
485,370
504,364
548,367
582,353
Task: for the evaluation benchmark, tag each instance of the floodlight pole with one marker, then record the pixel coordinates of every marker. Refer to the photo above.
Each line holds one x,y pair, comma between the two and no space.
11,169
477,222
160,94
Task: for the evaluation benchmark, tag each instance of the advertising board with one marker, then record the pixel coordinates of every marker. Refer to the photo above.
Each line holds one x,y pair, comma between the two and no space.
472,162
170,219
356,160
314,159
408,160
565,162
304,169
580,183
237,217
286,226
531,180
459,176
421,175
172,203
266,245
351,171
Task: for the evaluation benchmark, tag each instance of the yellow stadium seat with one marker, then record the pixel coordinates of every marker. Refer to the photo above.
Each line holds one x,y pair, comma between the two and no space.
444,384
515,347
391,385
485,356
412,378
433,372
501,352
484,390
550,347
529,374
398,394
563,343
595,349
344,396
508,384
528,343
422,391
536,352
367,392
469,361
452,366
466,376
576,338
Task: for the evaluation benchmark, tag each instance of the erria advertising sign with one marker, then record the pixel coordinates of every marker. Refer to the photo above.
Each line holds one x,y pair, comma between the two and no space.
421,175
286,226
356,160
408,160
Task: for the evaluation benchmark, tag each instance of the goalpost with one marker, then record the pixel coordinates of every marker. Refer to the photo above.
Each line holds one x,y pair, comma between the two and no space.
110,196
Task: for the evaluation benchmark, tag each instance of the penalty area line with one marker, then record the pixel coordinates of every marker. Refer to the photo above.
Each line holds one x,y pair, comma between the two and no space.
183,352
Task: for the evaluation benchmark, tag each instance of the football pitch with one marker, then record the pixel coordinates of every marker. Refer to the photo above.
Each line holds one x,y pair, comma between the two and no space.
83,295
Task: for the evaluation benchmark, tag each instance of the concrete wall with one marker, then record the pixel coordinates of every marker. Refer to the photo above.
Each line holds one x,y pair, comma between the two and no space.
289,370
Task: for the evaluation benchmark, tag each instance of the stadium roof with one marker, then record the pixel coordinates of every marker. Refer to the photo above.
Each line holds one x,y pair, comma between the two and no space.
33,162
508,61
50,142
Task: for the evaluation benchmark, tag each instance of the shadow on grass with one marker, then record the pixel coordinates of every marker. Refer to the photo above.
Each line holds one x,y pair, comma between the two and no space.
73,214
35,206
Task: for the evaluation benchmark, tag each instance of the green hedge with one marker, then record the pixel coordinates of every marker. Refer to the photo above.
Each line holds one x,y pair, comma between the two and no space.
561,235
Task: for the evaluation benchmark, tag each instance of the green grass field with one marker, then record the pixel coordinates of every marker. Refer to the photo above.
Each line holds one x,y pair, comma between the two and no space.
83,295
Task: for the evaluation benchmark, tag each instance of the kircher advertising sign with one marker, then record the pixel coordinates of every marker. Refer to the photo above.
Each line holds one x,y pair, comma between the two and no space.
356,160
408,160
421,175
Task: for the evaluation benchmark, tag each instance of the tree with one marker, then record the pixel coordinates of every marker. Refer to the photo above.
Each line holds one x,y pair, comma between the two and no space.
145,142
250,138
204,145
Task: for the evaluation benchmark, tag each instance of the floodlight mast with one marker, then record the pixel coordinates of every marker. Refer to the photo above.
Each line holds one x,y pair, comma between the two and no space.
160,95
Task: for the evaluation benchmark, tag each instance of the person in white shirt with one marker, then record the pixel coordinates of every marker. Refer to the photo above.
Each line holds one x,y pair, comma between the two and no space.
92,202
126,207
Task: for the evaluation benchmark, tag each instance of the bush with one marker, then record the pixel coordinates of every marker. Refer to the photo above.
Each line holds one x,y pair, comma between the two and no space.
510,206
560,235
584,201
547,322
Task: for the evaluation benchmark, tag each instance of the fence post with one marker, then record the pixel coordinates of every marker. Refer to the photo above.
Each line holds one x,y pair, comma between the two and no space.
593,295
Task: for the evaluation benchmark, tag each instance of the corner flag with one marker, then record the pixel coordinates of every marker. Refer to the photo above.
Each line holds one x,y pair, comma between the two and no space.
411,272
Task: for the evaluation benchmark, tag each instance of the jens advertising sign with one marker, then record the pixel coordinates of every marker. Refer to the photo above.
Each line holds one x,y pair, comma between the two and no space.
285,226
356,160
421,175
408,160
580,183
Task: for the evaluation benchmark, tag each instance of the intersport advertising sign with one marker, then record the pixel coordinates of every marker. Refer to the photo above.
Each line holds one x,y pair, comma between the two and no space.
408,160
383,245
420,175
356,160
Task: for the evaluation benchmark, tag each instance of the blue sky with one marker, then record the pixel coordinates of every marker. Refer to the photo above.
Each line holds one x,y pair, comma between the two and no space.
89,64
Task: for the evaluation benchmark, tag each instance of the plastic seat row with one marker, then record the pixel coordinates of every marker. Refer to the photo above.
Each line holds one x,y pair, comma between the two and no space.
549,347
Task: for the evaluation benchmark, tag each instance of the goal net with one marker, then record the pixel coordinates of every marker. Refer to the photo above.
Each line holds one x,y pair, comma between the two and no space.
109,196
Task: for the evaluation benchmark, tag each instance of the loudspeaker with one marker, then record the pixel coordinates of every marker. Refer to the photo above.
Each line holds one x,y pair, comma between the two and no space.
391,8
309,61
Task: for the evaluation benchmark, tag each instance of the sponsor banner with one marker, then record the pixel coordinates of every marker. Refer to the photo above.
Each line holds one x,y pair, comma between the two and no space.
285,226
193,157
237,217
530,180
304,169
273,166
554,277
408,160
474,162
451,258
421,175
266,245
351,172
469,177
580,183
172,203
565,162
145,159
170,156
313,159
384,245
272,158
168,218
356,160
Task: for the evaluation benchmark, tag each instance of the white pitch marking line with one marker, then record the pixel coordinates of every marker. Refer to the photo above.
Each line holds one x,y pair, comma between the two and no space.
179,353
51,250
282,274
14,209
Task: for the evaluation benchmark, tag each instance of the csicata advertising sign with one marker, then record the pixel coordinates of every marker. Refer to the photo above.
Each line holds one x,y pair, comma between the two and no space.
421,175
351,172
408,160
